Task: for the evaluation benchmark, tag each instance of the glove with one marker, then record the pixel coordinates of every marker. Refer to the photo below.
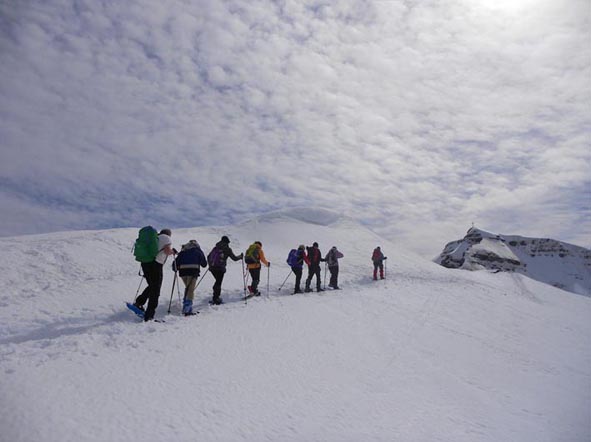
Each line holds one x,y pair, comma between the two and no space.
269,264
241,256
385,257
175,251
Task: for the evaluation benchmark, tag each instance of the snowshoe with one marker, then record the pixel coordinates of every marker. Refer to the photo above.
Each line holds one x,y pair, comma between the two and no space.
138,310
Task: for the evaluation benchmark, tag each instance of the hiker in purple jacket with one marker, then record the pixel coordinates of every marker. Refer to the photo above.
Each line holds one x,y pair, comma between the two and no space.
332,259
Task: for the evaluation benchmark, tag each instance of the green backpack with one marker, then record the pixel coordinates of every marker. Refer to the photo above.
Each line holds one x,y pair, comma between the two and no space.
145,248
252,254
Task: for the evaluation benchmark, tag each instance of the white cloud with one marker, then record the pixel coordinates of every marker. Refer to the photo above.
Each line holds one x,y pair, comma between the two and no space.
418,117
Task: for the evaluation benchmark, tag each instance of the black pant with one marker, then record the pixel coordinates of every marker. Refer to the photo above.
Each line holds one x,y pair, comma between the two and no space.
334,276
378,265
255,274
297,271
313,270
153,274
218,274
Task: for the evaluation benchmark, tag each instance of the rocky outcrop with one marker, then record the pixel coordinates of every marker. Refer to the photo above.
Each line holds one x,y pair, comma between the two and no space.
554,262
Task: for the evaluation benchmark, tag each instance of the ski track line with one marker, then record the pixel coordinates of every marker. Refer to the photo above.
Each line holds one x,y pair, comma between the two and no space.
426,311
523,290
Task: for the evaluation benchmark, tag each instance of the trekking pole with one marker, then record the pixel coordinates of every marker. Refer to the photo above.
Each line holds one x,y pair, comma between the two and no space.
246,275
288,275
268,272
385,266
201,279
244,281
137,293
178,289
172,292
325,276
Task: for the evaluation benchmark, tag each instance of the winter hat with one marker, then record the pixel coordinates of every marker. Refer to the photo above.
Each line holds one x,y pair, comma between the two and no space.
165,232
225,239
259,243
315,244
334,247
301,247
191,244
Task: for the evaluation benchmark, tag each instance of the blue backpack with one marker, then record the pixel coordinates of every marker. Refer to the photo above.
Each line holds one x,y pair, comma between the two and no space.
292,258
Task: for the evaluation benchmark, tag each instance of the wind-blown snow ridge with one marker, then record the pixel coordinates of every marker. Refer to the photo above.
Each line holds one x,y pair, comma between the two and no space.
308,215
426,354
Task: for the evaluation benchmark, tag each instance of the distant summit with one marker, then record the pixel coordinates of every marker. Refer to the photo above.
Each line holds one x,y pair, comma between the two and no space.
557,263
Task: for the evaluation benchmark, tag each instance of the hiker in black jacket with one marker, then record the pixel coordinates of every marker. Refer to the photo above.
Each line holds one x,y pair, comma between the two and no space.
315,258
217,265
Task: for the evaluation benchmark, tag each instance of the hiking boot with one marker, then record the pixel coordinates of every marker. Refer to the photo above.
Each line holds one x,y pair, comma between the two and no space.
190,314
296,291
250,290
307,290
217,301
139,307
257,293
319,289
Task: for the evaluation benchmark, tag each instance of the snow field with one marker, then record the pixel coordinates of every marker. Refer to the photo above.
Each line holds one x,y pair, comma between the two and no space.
428,354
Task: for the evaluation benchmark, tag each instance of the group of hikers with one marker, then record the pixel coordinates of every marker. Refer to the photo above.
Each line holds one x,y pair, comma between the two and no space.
152,250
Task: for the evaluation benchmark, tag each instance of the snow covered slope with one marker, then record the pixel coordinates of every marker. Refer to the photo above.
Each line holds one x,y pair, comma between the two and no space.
560,264
427,354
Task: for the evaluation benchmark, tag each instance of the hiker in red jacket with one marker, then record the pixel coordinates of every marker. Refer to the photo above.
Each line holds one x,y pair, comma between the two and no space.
315,258
378,263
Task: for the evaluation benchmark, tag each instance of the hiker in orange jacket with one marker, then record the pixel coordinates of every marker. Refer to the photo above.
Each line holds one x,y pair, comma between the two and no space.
253,257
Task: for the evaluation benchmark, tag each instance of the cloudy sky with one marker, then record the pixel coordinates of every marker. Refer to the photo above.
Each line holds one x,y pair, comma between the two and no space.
417,117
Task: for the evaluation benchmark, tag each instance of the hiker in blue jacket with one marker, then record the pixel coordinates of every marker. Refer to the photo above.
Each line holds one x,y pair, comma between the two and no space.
217,265
188,263
297,264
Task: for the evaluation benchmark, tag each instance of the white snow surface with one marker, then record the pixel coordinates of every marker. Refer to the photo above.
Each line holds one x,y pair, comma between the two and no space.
498,248
429,354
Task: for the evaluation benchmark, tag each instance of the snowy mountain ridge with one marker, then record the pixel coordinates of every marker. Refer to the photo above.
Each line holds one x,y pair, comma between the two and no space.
562,265
426,354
